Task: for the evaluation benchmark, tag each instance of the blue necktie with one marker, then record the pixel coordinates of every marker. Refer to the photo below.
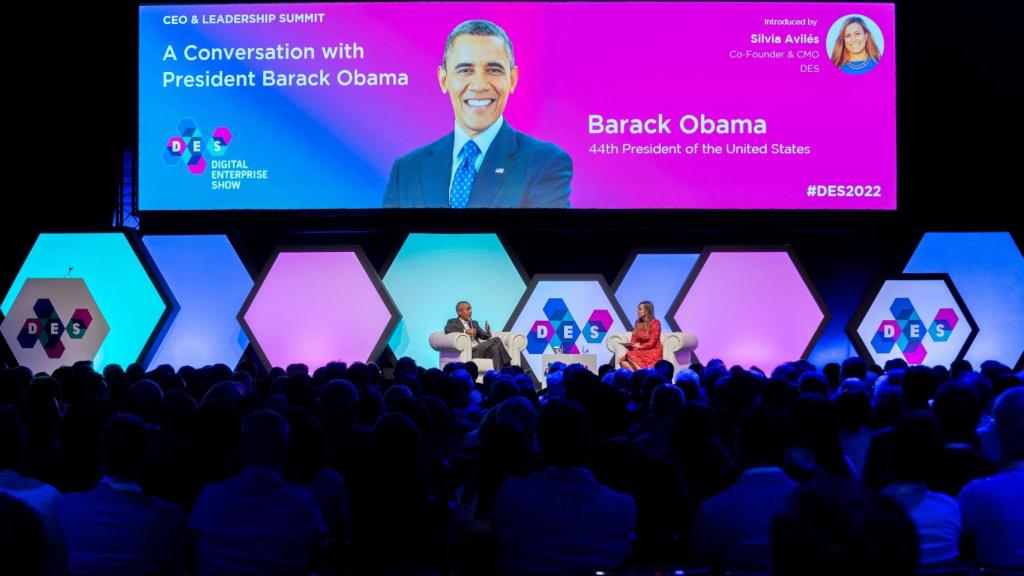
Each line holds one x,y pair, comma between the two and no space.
465,175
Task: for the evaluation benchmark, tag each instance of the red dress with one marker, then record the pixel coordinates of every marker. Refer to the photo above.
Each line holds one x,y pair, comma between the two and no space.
646,345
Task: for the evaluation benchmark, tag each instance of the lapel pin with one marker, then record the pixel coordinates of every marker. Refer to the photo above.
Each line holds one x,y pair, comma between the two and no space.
499,170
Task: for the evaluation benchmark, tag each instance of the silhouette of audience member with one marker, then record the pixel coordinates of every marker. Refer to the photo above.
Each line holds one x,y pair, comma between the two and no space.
732,528
991,507
254,523
914,454
24,546
41,497
398,504
707,465
667,402
832,526
561,519
957,408
853,410
307,469
115,528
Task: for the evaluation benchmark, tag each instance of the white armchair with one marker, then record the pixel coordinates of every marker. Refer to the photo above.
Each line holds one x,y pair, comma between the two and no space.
677,347
456,347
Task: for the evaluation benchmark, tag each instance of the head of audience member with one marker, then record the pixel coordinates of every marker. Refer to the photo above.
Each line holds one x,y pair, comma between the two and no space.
441,437
503,389
371,406
814,383
665,368
765,434
564,434
833,526
12,437
689,382
123,444
337,404
916,445
41,411
263,442
958,368
306,456
779,393
941,374
506,452
1005,382
650,383
895,364
832,372
395,393
957,409
358,374
1009,415
786,372
399,464
918,387
853,405
227,392
853,367
455,390
667,402
300,391
145,399
816,428
178,412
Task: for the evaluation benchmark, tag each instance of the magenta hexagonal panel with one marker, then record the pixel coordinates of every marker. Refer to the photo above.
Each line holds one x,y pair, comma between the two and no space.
750,307
316,307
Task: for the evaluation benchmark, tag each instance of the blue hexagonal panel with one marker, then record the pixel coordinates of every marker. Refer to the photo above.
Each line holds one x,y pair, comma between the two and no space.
129,296
988,271
425,288
210,284
654,276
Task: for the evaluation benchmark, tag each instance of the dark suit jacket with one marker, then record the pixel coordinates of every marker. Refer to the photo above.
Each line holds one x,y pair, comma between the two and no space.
455,325
534,174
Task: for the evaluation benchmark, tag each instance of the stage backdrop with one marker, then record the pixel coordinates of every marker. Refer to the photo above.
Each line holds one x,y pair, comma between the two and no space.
645,105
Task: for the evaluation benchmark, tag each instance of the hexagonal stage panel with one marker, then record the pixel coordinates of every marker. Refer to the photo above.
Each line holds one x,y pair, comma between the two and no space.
421,281
653,275
920,318
750,306
318,305
54,322
210,284
133,300
572,311
988,270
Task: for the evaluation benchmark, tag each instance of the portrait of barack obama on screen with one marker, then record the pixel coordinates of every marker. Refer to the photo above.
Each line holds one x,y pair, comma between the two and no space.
483,162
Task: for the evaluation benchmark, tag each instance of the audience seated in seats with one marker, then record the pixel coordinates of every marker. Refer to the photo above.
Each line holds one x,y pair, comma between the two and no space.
914,459
992,506
255,523
560,519
115,528
957,408
39,496
347,469
832,526
732,528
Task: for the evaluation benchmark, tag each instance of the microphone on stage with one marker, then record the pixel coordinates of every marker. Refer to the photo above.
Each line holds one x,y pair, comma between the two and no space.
70,268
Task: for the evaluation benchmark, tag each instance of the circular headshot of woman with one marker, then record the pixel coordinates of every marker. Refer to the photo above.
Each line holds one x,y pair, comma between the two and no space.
855,44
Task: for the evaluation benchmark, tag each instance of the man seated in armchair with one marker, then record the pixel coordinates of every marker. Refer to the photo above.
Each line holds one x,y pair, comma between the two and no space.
484,346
